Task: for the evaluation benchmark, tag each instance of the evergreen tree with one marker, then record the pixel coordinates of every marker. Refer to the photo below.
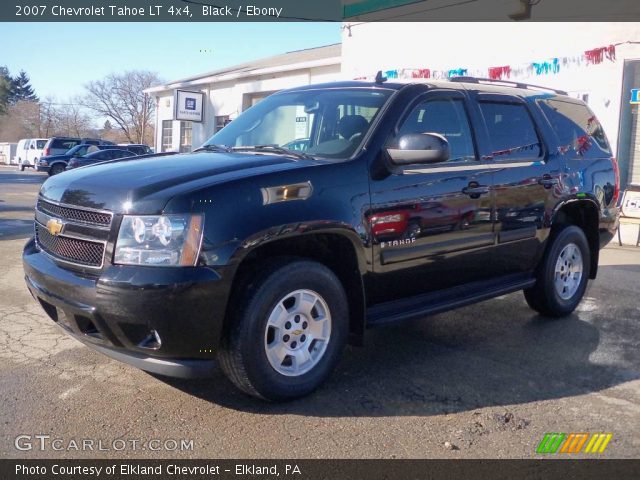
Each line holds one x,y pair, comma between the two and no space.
5,89
21,89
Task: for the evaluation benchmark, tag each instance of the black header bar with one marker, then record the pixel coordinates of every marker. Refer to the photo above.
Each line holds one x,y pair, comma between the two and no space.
317,10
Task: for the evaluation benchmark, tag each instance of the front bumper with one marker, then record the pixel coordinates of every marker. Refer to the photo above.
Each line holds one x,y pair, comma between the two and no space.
42,168
163,320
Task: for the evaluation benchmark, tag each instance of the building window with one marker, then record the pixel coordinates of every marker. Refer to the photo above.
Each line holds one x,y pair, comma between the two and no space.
186,137
167,140
221,122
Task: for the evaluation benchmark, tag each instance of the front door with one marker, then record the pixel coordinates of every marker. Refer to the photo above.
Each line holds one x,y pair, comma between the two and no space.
431,225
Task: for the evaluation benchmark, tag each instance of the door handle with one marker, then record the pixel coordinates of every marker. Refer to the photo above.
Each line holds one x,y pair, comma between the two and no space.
547,181
474,190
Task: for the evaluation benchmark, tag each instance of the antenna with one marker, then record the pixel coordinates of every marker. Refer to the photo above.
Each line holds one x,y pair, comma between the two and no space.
380,78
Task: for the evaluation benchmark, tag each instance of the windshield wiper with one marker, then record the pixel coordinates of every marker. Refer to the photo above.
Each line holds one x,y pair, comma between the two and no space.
272,149
213,148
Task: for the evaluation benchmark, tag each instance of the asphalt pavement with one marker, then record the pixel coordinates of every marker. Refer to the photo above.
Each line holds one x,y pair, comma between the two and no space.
488,380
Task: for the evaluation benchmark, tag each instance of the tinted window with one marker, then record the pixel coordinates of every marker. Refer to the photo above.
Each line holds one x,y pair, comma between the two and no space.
100,155
578,129
446,117
511,131
64,143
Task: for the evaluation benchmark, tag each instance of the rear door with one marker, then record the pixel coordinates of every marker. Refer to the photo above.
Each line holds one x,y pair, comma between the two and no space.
431,224
526,175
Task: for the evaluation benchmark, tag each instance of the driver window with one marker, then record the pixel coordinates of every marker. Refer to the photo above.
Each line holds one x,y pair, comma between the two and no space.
448,118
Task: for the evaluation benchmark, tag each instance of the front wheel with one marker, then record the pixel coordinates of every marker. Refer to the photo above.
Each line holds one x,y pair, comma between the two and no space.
562,275
22,167
56,169
288,331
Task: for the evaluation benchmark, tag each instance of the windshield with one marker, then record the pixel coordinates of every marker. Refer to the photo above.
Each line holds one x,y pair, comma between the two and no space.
41,143
77,150
323,122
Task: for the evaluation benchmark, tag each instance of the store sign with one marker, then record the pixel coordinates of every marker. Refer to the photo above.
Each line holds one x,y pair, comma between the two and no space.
635,96
631,202
189,105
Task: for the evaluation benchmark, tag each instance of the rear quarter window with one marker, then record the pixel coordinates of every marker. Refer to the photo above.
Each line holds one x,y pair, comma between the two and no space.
579,131
62,143
511,131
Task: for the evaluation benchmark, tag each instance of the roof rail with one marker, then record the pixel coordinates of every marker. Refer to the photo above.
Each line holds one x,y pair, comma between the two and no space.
506,83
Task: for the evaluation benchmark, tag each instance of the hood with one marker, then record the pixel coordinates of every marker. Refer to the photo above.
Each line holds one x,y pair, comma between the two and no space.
55,157
145,185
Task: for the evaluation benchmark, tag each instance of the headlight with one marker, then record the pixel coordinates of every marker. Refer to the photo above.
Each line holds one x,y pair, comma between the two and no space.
159,240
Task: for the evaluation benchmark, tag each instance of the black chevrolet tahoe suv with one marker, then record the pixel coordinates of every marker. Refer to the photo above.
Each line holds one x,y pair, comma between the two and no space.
407,200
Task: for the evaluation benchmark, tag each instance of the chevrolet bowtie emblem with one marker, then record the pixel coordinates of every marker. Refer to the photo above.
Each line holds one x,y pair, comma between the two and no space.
298,332
54,226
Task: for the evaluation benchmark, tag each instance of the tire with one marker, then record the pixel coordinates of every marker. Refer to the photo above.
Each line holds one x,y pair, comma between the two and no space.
56,168
559,289
22,167
265,319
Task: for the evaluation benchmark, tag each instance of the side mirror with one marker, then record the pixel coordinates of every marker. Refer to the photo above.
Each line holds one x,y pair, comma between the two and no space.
33,147
414,148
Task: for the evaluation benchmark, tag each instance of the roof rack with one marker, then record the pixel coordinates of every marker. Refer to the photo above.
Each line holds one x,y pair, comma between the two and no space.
506,83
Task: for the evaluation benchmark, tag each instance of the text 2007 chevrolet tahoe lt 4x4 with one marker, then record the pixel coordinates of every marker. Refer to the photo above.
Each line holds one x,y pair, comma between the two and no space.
398,201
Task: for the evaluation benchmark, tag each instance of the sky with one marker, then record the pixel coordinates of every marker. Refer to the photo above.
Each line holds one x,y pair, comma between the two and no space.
60,58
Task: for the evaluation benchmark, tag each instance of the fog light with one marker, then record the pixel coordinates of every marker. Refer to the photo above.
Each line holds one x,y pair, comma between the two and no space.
151,341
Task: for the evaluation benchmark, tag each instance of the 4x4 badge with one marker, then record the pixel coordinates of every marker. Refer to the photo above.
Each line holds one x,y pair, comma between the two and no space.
54,226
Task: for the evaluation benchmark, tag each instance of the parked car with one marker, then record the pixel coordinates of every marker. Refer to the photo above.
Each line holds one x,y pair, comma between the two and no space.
61,145
98,156
28,152
54,164
266,260
137,148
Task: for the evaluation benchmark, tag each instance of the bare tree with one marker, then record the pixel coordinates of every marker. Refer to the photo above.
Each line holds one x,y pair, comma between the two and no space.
21,120
121,98
68,118
47,118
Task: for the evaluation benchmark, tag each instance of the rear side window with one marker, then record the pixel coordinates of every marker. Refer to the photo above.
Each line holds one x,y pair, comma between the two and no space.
64,143
511,131
448,118
578,129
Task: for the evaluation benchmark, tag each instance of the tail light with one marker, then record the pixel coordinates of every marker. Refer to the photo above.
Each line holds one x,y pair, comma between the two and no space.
45,152
616,187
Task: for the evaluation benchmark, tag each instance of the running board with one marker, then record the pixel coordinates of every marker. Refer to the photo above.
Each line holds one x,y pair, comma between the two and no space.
443,300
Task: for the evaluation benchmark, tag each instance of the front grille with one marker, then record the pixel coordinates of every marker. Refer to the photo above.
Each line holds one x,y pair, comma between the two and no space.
75,214
72,250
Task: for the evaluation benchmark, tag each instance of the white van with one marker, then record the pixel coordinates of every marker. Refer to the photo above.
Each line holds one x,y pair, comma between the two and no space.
29,151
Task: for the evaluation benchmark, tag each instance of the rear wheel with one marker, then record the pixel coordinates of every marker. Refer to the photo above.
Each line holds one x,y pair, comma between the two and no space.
563,274
21,167
288,332
56,168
